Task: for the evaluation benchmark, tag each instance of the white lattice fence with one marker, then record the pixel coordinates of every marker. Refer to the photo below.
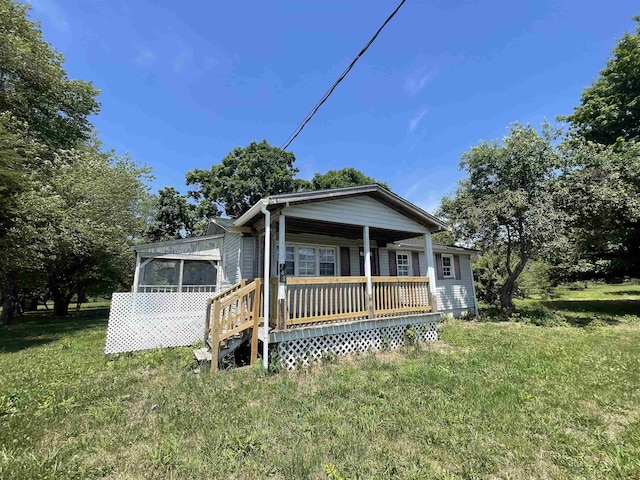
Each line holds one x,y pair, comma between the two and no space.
140,321
302,351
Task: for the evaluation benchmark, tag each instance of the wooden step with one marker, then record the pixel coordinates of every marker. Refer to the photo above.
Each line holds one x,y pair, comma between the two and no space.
202,354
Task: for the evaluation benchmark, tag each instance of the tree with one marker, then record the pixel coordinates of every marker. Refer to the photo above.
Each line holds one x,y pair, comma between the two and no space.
600,192
346,177
610,107
505,205
76,221
34,87
245,176
174,216
11,175
600,184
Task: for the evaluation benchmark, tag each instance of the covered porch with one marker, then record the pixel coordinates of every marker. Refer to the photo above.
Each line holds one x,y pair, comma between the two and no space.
320,271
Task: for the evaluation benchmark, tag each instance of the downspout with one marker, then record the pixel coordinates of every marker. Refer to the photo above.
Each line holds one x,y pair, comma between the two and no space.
267,273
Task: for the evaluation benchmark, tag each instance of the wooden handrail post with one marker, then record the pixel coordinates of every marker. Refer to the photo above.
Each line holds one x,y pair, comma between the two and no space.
256,320
367,271
215,336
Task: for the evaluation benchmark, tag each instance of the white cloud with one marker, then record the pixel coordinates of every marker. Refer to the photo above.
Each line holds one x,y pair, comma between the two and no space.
415,83
182,59
145,56
415,121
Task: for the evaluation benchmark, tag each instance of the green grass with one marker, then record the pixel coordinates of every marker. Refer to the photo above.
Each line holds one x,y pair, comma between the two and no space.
490,400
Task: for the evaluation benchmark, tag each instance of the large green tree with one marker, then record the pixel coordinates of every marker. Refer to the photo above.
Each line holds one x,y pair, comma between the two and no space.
34,87
345,177
600,192
243,177
76,220
610,108
504,206
600,183
173,217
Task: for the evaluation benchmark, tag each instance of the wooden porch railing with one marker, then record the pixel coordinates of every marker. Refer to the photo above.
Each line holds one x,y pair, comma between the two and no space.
324,299
321,299
231,312
393,295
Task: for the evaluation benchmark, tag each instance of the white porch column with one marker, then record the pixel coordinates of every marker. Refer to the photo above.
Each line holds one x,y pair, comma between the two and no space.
431,270
136,275
367,270
180,276
266,285
282,286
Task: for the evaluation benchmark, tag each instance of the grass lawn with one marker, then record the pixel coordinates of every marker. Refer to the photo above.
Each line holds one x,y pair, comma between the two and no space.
490,400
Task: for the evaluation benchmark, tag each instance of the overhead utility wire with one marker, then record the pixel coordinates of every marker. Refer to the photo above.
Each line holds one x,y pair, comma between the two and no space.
324,98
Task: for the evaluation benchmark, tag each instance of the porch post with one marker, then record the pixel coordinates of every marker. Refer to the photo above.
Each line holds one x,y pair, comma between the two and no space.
180,276
265,287
136,275
431,271
367,270
282,286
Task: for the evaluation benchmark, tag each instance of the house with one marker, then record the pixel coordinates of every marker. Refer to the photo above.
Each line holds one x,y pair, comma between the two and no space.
342,270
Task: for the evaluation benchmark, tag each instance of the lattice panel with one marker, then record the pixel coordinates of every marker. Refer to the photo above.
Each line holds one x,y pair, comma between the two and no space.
301,352
140,321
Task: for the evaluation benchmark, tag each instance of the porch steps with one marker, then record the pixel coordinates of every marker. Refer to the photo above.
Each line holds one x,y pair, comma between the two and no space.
227,347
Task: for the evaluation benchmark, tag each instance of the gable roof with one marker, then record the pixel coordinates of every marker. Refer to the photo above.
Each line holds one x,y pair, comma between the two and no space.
376,192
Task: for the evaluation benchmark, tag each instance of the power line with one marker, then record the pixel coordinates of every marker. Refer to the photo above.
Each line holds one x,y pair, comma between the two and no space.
324,98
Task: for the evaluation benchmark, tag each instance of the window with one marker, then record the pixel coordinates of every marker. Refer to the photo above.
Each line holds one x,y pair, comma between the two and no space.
447,266
290,260
161,272
403,264
327,262
306,261
198,272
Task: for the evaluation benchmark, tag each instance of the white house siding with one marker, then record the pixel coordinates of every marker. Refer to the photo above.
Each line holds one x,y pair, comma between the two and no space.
383,255
231,258
452,296
456,296
355,211
248,258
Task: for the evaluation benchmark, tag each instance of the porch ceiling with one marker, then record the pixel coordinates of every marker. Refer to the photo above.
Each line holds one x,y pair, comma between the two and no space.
353,232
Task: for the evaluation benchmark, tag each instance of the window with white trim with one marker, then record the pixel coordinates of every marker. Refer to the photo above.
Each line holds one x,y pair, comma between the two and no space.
447,266
327,262
306,262
403,264
310,261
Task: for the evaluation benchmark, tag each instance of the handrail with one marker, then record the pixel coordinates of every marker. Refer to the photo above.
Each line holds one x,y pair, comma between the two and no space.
326,299
234,313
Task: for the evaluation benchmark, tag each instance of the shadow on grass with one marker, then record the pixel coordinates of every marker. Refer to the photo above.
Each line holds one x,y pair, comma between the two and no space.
41,327
598,307
578,313
619,293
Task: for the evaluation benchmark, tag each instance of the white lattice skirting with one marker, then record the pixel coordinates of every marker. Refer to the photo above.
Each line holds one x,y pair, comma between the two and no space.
302,346
141,321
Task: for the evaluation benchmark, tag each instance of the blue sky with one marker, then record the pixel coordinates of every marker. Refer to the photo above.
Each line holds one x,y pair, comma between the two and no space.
182,83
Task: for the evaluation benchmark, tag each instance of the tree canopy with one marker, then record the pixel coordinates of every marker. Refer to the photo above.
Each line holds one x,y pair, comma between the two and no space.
505,205
69,209
346,177
243,177
34,87
610,108
174,217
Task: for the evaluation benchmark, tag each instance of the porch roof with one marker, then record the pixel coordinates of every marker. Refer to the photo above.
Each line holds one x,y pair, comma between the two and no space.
376,192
